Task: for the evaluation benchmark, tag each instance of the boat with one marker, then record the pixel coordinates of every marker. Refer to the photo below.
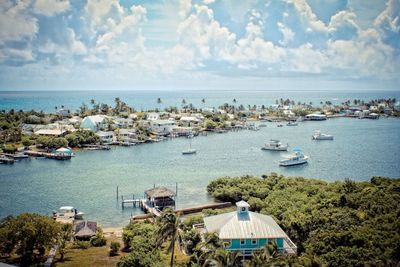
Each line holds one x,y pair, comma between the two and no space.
67,214
20,156
279,125
321,136
275,145
262,125
6,160
296,158
291,123
190,150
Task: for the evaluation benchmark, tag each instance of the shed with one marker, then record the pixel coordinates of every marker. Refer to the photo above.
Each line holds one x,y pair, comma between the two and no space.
85,230
160,197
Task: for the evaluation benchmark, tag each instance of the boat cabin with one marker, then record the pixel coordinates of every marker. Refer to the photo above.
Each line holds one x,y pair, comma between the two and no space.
160,197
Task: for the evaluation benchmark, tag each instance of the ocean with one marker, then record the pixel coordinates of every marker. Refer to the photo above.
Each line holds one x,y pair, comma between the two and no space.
360,150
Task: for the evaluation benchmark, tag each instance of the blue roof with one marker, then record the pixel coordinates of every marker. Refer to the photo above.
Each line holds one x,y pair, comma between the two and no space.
297,149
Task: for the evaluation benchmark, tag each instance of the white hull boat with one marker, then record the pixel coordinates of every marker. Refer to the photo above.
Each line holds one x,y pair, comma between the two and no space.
321,136
297,158
291,123
189,151
275,145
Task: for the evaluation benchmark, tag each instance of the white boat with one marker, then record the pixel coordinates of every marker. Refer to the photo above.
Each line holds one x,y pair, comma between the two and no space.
279,125
67,214
275,145
321,136
190,150
291,123
296,158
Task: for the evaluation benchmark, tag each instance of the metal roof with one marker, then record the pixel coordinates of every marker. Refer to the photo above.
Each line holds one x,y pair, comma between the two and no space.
248,225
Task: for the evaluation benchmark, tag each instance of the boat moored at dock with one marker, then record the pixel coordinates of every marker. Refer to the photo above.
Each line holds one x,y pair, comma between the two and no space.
297,158
67,214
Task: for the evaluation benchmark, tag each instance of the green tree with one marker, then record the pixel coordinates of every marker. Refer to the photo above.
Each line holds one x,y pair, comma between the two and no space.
169,230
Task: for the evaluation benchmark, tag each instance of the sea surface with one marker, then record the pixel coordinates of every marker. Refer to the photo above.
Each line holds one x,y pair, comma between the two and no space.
360,150
143,100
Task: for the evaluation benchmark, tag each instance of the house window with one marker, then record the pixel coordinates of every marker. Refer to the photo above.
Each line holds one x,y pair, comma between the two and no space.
242,241
254,241
227,243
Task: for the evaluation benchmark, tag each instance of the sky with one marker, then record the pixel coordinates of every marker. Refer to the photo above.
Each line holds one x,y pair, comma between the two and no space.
199,44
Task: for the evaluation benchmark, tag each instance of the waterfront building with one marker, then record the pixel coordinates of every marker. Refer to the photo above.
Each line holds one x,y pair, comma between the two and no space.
126,135
106,137
160,197
315,117
52,132
245,231
94,123
162,127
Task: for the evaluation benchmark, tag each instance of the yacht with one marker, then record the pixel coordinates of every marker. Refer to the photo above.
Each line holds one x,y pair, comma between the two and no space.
291,123
296,158
275,145
321,136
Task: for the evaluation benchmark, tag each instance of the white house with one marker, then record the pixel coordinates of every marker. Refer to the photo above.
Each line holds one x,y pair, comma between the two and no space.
315,117
126,135
153,116
162,127
51,132
94,123
63,112
189,121
106,137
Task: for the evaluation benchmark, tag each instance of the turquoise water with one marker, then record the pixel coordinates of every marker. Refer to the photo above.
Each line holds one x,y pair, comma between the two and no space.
142,100
361,149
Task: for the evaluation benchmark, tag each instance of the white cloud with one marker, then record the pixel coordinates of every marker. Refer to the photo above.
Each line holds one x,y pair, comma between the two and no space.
343,25
184,8
15,22
287,33
208,2
50,7
307,16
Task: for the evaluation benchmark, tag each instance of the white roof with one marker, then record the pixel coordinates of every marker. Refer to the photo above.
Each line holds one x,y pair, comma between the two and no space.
63,149
67,208
187,118
50,132
101,133
242,203
96,118
316,115
248,225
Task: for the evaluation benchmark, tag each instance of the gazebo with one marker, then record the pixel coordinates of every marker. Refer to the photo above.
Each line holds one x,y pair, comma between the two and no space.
160,197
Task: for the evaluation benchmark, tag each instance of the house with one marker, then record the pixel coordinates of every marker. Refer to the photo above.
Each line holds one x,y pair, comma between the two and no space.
52,132
106,137
160,197
94,123
189,121
162,127
153,116
246,231
315,117
63,112
126,135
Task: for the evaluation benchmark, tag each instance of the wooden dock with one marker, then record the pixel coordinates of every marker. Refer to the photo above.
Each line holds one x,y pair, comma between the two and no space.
151,212
48,155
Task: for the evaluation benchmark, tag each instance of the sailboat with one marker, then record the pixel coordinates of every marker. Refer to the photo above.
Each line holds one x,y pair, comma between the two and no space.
190,150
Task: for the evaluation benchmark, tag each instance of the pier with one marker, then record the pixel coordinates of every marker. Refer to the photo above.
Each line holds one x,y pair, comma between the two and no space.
152,212
60,156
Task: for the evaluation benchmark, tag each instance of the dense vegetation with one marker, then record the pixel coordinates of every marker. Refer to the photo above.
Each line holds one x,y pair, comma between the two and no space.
339,224
28,236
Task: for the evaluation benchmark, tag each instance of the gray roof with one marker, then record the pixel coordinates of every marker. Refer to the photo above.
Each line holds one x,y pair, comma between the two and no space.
86,229
249,225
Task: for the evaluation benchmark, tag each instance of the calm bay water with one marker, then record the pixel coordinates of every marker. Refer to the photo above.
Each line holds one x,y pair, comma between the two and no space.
361,149
143,100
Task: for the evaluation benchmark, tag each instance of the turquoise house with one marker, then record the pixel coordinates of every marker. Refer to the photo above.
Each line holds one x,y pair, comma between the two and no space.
246,231
94,123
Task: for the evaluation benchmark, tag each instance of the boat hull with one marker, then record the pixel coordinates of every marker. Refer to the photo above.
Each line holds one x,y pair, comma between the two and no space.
288,164
274,148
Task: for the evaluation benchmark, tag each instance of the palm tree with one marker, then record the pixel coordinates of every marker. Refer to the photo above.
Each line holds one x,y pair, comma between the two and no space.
64,237
227,258
170,229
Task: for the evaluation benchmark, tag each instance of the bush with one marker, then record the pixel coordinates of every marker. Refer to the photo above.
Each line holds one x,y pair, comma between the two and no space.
26,141
80,245
98,240
114,247
10,149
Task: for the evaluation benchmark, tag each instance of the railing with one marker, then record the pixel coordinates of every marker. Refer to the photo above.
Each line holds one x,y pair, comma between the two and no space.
291,248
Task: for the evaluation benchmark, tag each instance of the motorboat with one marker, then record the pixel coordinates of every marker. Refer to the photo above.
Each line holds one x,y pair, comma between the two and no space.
321,136
279,125
67,214
296,158
275,145
291,123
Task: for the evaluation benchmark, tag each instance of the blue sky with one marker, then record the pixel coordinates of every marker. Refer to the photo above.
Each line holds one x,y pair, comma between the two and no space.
199,44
